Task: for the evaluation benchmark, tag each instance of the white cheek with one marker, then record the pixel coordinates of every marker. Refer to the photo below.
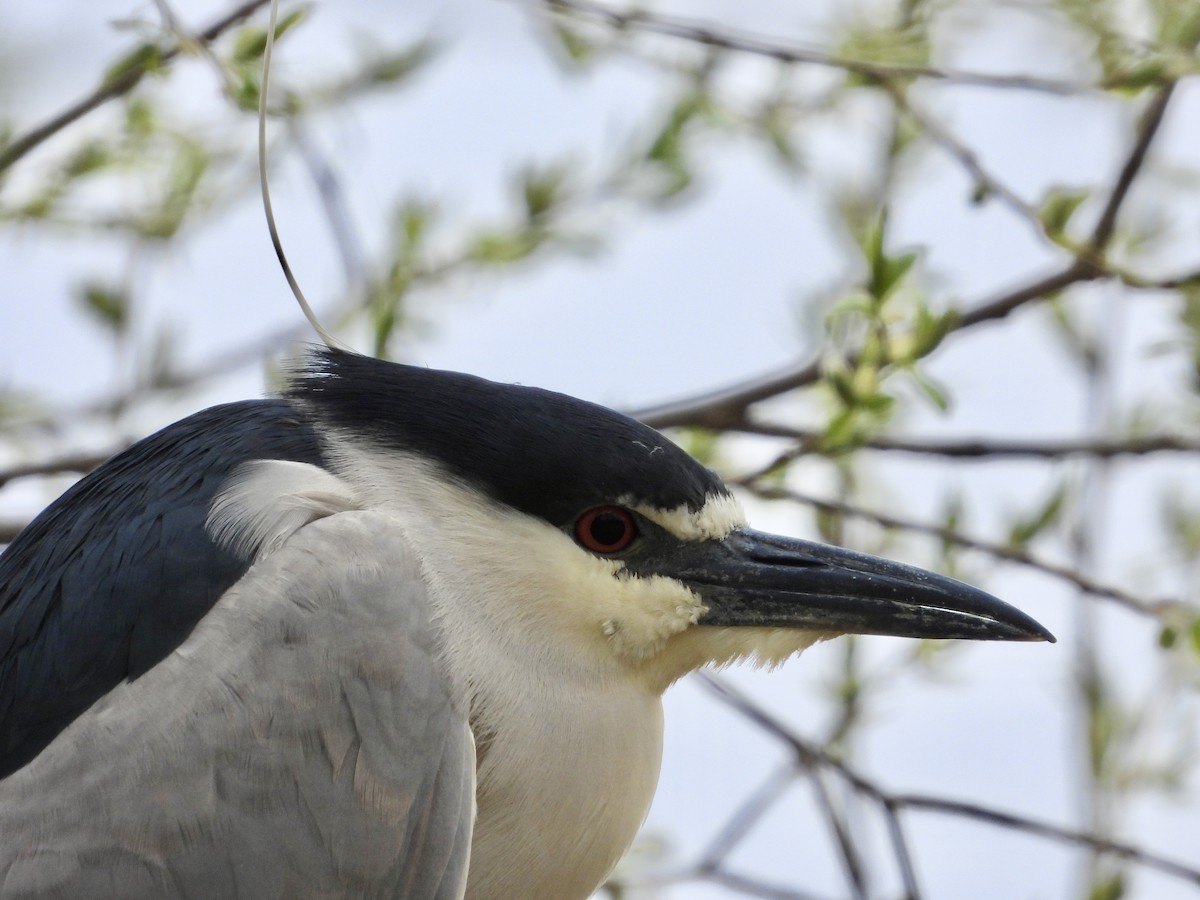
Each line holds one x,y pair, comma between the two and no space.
642,613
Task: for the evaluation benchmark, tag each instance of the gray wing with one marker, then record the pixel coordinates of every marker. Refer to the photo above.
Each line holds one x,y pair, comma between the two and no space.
116,573
303,741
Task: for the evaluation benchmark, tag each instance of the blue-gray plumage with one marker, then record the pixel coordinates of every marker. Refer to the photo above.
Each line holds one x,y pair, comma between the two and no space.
116,572
402,633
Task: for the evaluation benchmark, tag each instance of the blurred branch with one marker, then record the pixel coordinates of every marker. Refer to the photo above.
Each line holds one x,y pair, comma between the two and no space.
722,38
320,169
1148,126
223,364
726,406
981,449
117,86
1045,829
337,210
744,818
76,463
984,180
744,886
1154,608
809,756
1174,283
9,530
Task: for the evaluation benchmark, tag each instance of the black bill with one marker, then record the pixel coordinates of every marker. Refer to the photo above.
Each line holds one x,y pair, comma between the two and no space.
755,579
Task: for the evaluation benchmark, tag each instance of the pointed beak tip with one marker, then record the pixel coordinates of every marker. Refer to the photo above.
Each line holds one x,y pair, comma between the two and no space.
1027,630
1045,636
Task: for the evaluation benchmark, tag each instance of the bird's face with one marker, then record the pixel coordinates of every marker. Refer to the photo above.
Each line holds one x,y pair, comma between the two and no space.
764,596
583,523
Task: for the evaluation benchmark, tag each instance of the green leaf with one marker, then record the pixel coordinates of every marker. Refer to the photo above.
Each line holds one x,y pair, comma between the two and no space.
981,193
892,272
906,45
937,394
1111,888
246,93
700,443
542,189
1147,73
500,247
89,158
137,62
188,167
251,42
775,121
140,118
413,219
1189,318
1057,209
577,48
929,330
392,68
1047,514
1178,24
842,431
108,304
878,404
885,272
1080,344
843,386
667,150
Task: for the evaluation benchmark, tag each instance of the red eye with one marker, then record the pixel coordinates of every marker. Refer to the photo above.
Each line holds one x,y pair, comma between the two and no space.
606,529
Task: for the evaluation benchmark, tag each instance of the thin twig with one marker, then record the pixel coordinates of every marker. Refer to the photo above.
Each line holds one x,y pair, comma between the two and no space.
1045,829
1153,608
337,211
72,463
9,530
983,448
744,818
727,405
1147,129
722,38
808,754
747,887
116,87
900,849
963,155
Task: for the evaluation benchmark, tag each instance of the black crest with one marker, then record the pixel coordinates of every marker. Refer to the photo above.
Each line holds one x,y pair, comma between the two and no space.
544,453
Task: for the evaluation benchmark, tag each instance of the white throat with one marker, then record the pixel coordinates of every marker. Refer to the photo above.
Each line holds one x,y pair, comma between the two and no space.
547,693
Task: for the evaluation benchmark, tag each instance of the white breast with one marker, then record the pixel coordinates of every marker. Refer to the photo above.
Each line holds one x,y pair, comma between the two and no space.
562,792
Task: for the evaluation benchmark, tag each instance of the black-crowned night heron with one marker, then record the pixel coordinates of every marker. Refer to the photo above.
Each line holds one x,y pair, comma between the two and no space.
401,633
